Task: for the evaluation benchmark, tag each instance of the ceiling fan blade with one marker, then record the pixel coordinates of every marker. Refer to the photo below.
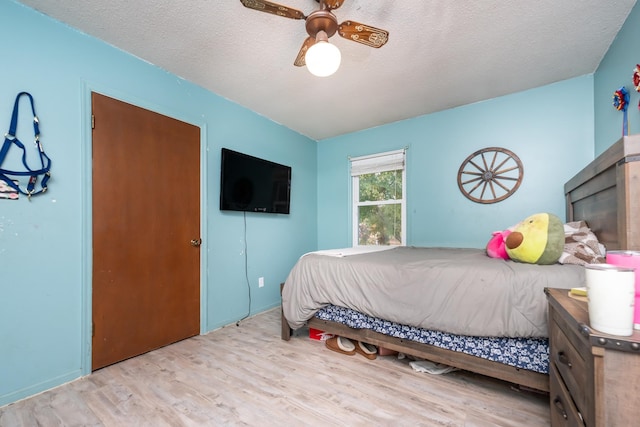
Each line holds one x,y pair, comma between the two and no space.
333,4
300,62
371,36
273,8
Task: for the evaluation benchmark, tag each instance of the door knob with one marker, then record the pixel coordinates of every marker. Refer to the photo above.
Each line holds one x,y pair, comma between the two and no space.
196,242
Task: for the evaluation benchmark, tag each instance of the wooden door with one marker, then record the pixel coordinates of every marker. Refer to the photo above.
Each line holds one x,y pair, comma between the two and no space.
146,212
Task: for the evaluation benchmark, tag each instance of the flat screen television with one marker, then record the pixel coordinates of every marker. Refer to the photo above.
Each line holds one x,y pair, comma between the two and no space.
251,184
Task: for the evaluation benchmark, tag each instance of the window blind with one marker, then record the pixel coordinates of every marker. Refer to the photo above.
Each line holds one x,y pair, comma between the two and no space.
381,162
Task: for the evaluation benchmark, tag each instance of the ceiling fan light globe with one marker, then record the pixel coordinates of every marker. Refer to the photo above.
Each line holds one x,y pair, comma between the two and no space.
323,59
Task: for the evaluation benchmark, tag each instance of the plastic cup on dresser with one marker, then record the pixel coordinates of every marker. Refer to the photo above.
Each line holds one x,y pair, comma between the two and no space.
611,298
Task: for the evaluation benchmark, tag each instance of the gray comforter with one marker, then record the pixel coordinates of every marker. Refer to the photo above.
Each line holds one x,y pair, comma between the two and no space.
460,291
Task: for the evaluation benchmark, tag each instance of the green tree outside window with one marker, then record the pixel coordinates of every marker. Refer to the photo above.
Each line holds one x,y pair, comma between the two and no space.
379,208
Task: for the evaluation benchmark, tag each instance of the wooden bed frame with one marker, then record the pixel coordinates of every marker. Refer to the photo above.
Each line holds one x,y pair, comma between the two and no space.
605,194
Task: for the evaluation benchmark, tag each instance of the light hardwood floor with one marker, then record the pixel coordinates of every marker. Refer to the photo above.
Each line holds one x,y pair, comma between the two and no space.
246,376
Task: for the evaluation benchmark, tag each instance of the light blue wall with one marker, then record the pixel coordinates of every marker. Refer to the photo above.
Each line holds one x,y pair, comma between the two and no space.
615,71
45,248
45,280
552,136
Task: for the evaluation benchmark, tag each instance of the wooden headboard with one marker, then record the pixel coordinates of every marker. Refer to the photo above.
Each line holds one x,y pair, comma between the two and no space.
606,194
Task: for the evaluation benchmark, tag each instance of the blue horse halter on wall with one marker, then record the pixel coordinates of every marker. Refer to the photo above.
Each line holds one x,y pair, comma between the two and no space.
33,174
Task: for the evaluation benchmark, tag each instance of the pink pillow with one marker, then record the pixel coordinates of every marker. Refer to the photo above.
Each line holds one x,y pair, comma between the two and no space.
496,247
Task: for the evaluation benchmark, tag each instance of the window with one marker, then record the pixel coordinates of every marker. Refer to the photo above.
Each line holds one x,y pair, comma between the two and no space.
379,214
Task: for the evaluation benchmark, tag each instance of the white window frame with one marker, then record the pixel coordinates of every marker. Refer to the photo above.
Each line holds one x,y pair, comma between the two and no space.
379,162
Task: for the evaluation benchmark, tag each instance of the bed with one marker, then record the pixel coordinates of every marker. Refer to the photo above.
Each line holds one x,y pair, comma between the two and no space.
605,194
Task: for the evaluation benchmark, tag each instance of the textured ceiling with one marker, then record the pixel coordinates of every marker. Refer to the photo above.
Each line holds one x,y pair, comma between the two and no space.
441,54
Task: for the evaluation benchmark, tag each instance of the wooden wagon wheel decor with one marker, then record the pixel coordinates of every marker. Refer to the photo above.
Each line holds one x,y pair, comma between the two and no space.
490,175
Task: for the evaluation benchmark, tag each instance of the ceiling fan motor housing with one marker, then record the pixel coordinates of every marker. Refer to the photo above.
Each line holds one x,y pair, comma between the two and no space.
321,20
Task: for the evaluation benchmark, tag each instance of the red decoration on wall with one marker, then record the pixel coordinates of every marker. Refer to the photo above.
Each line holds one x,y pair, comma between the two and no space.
636,77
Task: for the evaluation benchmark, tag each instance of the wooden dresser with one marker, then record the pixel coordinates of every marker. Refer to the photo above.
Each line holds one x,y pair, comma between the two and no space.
594,377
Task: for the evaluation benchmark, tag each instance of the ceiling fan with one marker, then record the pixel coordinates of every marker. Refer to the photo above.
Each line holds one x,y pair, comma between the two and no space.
321,57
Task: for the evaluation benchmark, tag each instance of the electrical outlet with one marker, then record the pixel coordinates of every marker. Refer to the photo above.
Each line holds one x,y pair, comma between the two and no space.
260,282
